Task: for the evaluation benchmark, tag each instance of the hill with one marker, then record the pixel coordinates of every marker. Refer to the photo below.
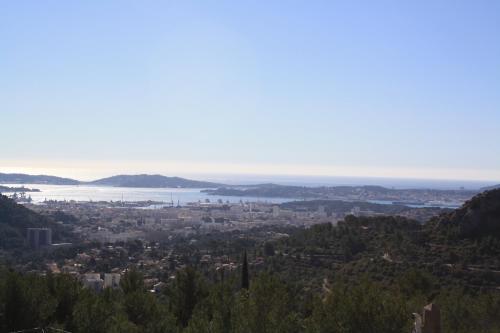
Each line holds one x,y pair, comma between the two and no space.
14,219
152,181
4,189
478,217
461,247
143,180
21,178
487,188
351,193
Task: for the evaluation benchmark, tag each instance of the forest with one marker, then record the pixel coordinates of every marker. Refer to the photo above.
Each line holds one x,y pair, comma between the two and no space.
262,303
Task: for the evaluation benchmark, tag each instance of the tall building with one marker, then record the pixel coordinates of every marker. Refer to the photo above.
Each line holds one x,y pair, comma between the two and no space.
39,237
111,280
93,281
276,211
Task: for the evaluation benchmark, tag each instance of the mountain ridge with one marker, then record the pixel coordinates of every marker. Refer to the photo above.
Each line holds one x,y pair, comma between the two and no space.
22,178
152,181
139,180
492,187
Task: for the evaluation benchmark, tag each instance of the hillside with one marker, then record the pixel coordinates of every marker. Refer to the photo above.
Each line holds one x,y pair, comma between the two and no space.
461,247
21,178
6,189
432,197
290,191
493,187
143,180
152,181
478,217
15,219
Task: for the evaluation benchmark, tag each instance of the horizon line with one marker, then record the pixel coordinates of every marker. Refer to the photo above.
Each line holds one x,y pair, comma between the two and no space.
92,170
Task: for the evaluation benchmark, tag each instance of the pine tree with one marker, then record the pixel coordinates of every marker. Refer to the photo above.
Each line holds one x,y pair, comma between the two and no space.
132,281
187,291
15,302
245,283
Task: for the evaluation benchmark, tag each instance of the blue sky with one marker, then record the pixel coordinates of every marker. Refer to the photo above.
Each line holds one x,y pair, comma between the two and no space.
354,88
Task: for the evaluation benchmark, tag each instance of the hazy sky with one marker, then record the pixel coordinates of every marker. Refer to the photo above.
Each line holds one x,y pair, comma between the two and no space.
363,88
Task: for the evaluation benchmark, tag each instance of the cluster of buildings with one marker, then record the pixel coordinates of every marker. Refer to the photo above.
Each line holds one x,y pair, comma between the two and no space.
157,265
116,227
99,221
97,281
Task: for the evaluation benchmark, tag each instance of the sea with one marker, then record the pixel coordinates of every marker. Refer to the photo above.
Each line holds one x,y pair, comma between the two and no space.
106,193
184,196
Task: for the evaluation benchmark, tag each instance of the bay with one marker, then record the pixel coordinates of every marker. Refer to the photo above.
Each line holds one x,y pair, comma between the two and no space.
108,193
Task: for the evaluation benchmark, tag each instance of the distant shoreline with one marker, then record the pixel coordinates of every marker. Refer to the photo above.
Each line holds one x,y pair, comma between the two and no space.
7,189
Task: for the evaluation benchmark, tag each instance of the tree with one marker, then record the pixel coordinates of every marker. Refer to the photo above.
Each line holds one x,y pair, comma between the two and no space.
416,282
216,311
14,302
28,302
146,312
66,290
245,282
266,308
187,291
269,249
101,313
132,281
360,309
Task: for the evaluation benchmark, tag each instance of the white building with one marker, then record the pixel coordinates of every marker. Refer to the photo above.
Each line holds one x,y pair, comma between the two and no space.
276,211
93,281
111,280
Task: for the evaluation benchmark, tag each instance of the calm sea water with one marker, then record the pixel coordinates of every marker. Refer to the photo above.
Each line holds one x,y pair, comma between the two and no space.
106,193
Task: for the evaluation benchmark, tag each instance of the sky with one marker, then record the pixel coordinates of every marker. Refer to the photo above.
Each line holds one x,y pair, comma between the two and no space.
324,88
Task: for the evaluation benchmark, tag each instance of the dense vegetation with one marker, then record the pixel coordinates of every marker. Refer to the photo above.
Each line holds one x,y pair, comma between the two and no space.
460,248
191,303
